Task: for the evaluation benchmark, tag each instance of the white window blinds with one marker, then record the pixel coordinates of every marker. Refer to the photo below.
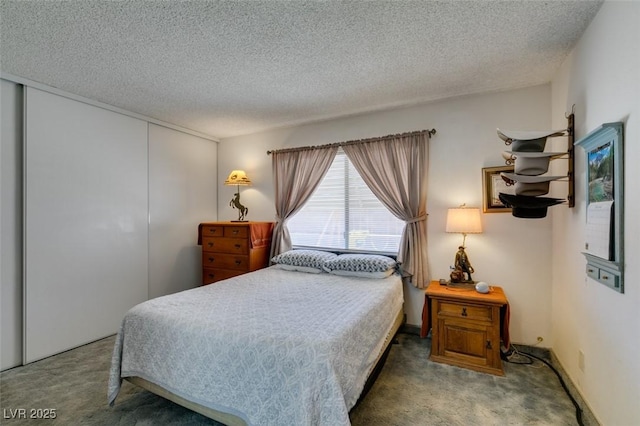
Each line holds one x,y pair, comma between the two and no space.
344,214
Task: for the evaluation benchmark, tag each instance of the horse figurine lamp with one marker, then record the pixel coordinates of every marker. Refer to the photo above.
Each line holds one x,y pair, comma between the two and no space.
238,177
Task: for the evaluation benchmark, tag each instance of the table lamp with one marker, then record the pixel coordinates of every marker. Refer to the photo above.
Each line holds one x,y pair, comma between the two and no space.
463,220
238,177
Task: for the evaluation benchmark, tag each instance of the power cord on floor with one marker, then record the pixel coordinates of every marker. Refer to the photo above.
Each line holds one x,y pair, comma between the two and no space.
517,355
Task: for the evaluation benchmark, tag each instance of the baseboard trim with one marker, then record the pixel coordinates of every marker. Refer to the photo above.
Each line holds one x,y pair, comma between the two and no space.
588,417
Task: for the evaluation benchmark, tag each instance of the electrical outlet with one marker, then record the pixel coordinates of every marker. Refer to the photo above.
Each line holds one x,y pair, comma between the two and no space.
581,361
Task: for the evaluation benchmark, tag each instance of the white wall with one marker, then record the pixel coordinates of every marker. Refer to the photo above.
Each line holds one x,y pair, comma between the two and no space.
513,253
601,79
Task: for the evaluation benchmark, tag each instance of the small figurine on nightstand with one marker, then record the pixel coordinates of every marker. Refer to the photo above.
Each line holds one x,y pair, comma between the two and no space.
463,264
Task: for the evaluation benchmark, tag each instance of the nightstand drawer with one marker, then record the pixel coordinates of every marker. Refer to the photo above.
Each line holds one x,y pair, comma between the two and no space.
225,245
225,261
465,311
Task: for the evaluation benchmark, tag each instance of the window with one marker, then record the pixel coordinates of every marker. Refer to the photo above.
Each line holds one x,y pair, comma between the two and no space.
344,214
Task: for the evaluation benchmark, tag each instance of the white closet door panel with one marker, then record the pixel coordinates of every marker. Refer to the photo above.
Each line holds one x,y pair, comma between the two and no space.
182,194
11,225
86,223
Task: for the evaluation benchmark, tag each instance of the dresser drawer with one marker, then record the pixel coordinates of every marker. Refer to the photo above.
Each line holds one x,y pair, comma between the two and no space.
225,261
236,231
465,311
210,275
212,231
225,245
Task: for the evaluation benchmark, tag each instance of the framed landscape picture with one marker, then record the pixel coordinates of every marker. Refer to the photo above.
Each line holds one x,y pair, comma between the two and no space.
601,173
492,186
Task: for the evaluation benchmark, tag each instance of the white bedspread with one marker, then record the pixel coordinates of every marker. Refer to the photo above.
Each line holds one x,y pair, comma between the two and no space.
273,347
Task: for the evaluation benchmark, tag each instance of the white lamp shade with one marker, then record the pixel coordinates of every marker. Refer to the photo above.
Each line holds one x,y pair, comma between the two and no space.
237,177
464,220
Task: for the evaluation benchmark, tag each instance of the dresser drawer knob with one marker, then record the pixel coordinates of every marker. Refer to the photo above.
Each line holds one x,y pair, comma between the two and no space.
464,312
210,244
238,262
235,231
211,260
237,246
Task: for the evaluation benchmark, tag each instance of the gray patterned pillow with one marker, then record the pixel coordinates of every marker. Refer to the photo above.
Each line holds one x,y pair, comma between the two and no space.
302,260
363,274
360,263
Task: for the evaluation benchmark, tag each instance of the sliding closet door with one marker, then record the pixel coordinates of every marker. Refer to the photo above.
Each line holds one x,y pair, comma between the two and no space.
10,224
86,226
182,194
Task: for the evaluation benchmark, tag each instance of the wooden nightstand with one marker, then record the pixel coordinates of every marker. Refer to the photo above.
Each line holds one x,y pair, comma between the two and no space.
465,326
233,248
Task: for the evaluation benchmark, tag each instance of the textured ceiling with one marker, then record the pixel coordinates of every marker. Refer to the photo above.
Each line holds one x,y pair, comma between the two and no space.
230,68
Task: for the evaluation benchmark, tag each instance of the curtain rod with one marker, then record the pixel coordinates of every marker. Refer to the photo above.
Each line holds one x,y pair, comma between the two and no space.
431,132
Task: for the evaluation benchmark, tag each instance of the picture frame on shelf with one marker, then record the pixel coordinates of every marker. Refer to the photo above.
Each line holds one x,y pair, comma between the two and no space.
492,186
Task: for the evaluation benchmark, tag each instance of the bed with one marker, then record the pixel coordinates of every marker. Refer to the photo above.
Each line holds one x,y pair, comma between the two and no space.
271,347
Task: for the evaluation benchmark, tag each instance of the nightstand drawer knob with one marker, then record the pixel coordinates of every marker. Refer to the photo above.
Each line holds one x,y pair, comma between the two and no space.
464,312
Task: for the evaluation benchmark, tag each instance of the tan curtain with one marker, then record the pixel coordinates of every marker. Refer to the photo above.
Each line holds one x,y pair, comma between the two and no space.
296,174
395,169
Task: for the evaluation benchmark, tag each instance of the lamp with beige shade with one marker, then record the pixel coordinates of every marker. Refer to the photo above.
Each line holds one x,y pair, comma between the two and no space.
463,220
238,177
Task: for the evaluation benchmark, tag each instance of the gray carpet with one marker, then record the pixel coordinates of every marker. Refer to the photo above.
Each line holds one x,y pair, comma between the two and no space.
411,390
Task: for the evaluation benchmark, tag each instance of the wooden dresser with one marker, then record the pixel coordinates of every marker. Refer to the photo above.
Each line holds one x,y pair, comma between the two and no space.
233,248
466,327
